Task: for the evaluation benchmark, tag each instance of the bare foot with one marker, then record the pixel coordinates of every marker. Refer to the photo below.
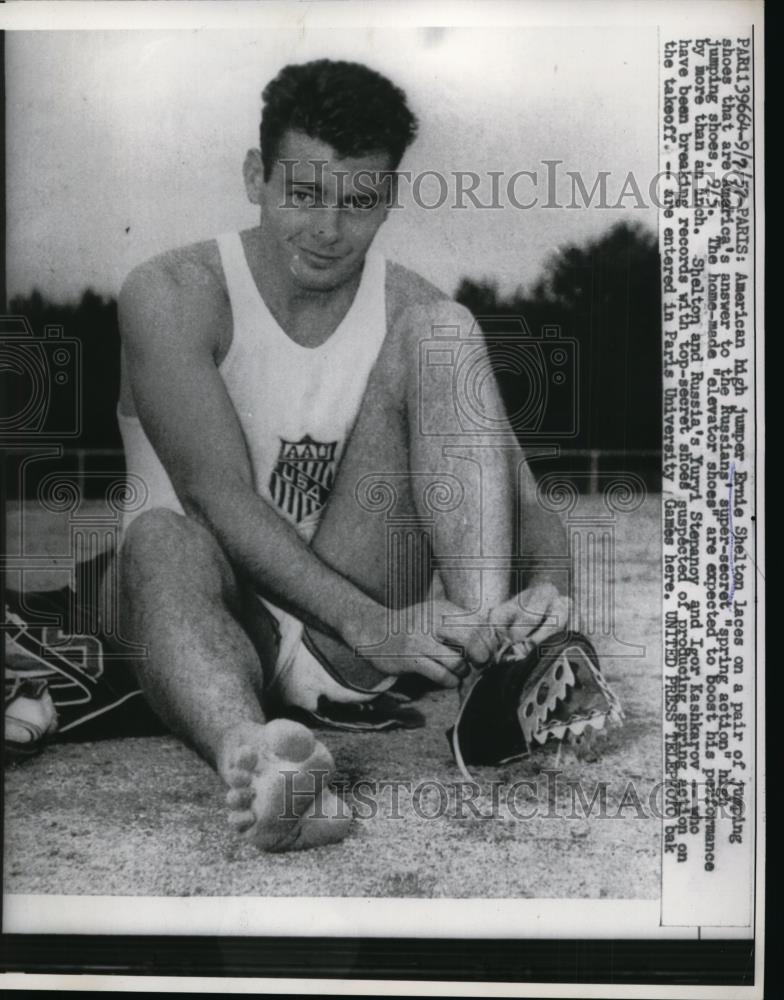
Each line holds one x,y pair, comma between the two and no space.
278,796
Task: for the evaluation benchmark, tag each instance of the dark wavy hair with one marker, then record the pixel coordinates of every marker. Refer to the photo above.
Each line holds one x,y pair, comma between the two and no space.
349,106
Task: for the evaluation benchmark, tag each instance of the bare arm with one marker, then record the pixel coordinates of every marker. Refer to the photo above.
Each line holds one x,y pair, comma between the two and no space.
169,322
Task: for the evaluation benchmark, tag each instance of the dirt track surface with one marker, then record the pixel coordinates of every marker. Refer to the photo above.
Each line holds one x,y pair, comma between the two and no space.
146,816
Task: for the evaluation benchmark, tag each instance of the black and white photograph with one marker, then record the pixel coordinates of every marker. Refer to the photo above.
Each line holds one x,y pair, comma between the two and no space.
380,472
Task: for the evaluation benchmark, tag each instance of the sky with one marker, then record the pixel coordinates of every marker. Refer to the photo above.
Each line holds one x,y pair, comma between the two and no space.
122,144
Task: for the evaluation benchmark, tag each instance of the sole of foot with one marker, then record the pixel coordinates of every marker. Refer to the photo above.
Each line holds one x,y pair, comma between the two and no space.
278,797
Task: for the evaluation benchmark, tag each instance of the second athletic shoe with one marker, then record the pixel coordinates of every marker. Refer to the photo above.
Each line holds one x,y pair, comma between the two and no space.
30,716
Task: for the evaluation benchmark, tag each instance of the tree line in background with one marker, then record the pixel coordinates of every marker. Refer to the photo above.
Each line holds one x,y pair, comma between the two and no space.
603,296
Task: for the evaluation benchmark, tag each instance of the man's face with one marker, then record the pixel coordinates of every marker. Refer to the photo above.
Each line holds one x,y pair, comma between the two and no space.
322,212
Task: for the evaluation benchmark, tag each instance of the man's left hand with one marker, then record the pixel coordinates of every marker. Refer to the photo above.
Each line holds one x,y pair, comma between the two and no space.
532,616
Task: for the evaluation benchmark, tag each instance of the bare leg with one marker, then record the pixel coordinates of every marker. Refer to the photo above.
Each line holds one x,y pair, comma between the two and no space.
485,518
390,511
204,677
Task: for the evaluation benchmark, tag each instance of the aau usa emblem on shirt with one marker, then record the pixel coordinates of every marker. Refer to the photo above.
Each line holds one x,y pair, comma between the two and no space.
303,476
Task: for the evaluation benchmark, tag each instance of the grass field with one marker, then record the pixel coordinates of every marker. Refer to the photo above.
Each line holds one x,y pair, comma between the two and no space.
146,816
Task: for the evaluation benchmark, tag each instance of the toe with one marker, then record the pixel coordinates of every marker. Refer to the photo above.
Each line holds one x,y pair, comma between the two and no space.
239,798
242,820
246,759
240,779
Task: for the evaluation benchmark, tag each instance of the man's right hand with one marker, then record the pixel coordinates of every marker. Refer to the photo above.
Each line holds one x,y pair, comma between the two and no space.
436,639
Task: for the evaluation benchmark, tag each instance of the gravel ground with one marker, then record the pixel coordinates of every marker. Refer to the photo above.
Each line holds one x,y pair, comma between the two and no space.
146,816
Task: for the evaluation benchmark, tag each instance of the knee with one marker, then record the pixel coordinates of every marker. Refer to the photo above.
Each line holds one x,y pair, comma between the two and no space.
160,537
155,527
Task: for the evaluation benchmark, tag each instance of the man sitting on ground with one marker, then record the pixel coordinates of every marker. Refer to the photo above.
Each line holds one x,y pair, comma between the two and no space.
272,399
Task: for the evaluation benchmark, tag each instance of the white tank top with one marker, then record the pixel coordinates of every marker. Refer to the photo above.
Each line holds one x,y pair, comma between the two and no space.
296,405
